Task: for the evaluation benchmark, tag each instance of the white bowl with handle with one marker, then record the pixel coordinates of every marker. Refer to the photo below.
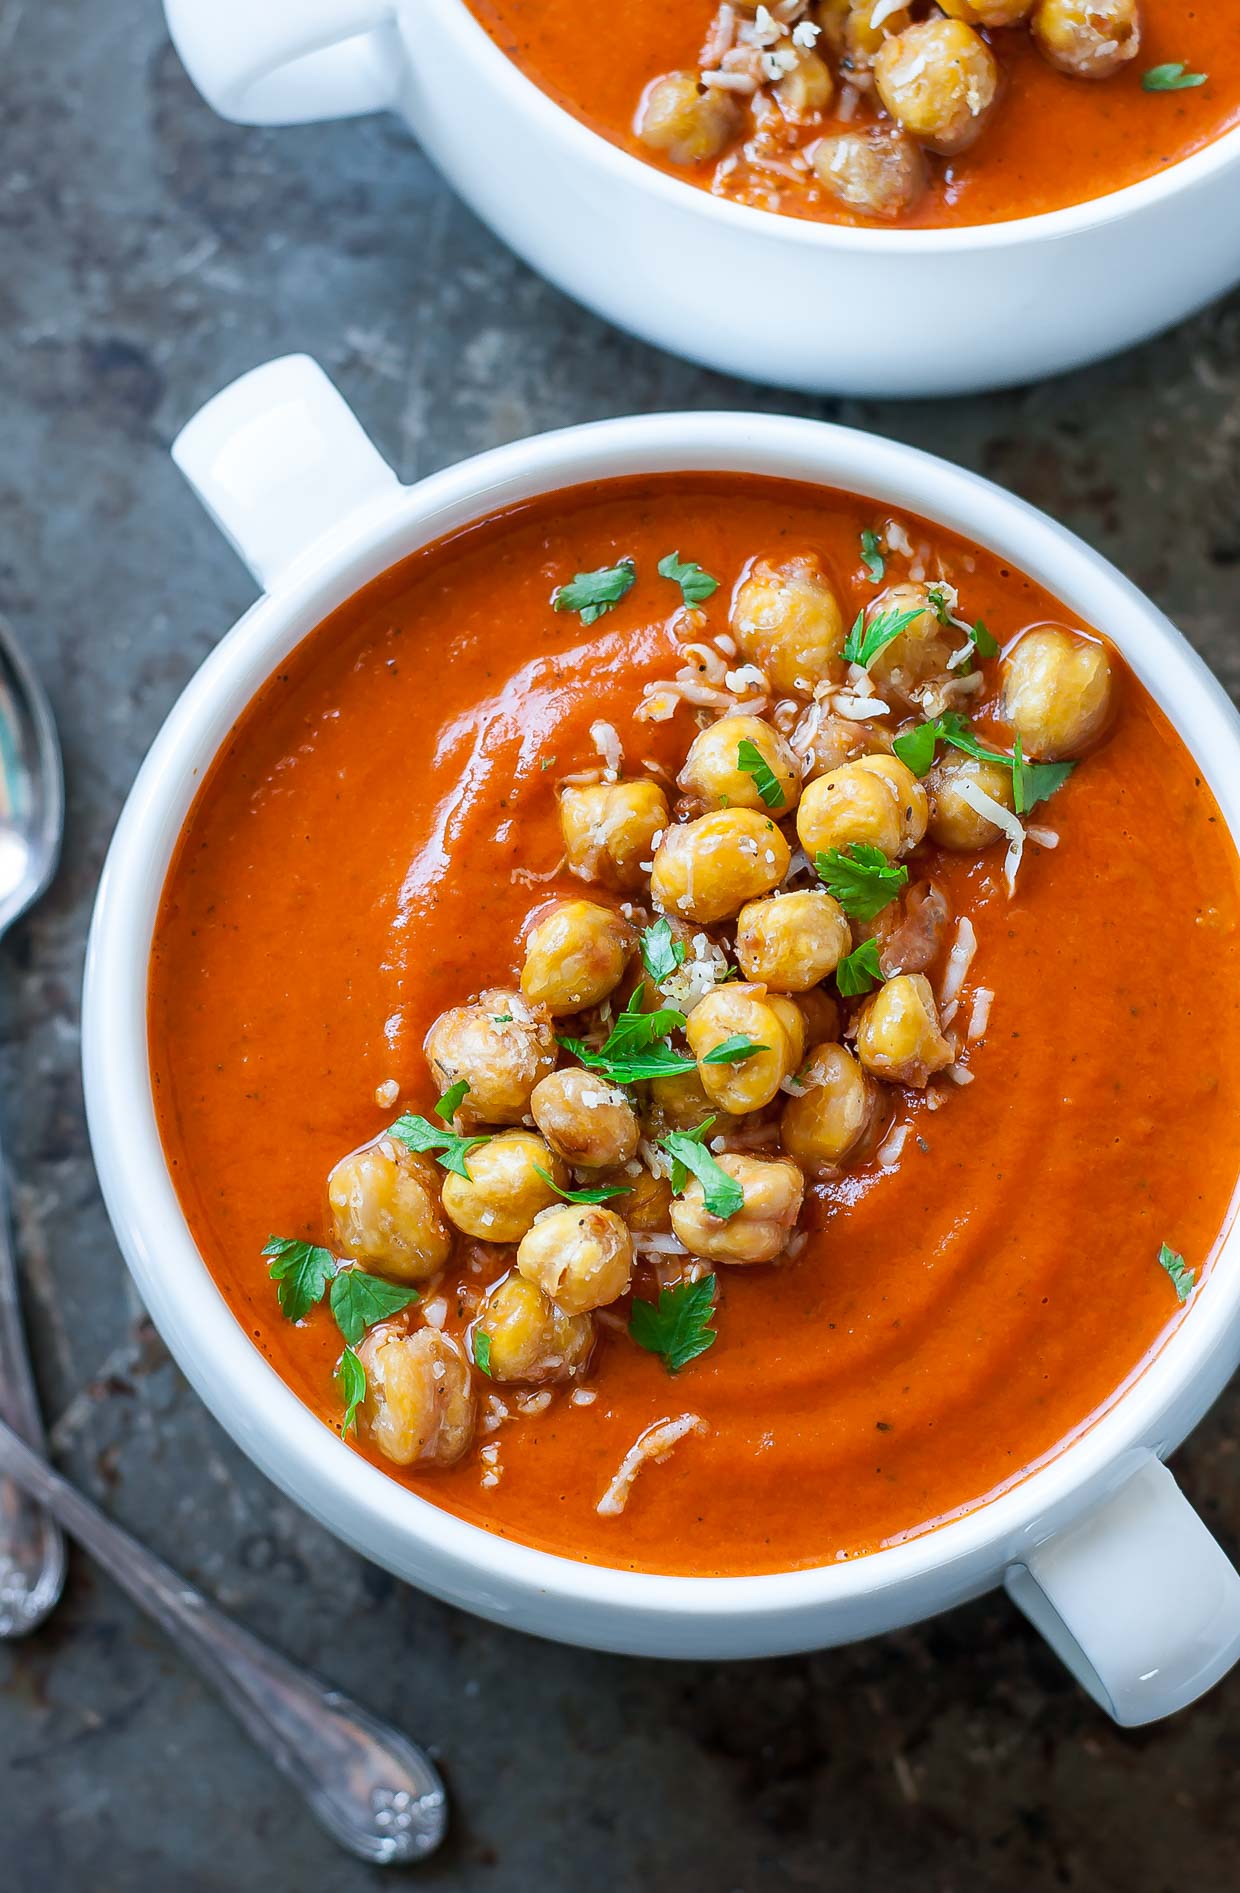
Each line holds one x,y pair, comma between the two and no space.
1098,1546
817,306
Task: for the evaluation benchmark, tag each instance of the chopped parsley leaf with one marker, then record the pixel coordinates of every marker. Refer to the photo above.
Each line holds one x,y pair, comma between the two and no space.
351,1380
750,758
636,1047
860,878
418,1133
1171,78
865,641
1032,782
734,1051
582,1196
872,557
696,586
662,952
450,1103
359,1300
916,748
301,1271
482,1351
591,594
721,1193
984,642
677,1326
859,972
1185,1279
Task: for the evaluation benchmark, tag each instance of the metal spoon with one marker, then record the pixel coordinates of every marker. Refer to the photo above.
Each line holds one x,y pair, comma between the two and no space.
374,1791
32,814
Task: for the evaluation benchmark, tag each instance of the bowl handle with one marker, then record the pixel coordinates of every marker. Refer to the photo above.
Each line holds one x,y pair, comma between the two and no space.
286,62
1137,1598
282,465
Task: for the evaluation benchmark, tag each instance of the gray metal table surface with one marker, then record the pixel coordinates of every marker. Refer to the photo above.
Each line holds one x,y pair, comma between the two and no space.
150,254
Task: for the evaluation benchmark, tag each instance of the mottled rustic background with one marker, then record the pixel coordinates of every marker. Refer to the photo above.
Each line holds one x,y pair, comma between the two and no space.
150,253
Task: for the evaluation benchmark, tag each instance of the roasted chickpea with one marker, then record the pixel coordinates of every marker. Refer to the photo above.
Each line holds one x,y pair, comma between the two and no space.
580,1254
791,1017
837,1110
940,80
862,39
792,941
575,956
821,1013
609,830
987,12
500,1047
588,1122
851,804
419,1405
504,1191
1089,39
828,742
898,1033
911,798
679,1103
773,1191
741,1012
707,869
385,1199
921,650
808,89
875,170
1056,692
686,121
787,620
954,822
531,1339
713,773
647,1205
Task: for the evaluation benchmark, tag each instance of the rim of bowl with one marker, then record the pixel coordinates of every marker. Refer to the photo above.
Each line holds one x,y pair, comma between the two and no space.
1043,226
1185,1370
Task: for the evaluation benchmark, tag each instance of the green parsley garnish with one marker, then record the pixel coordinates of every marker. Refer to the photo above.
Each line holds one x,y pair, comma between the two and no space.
662,952
482,1351
860,878
734,1051
984,642
1185,1279
451,1101
916,748
677,1326
721,1193
637,1046
860,971
301,1271
418,1133
872,558
750,758
696,586
593,593
865,641
351,1380
1032,782
1171,78
359,1300
582,1196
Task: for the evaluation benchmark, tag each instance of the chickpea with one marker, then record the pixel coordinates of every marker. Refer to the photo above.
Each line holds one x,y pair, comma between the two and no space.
851,804
575,956
787,620
940,81
385,1199
808,89
580,1254
646,1208
741,1012
987,12
609,830
874,170
687,122
588,1122
759,1231
504,1192
531,1339
500,1048
920,651
419,1405
862,39
911,798
821,1013
1056,692
707,869
679,1103
898,1032
838,1109
830,741
1088,39
713,774
792,941
911,934
791,1017
955,823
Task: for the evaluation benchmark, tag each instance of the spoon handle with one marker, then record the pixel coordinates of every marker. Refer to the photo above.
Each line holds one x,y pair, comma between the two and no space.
32,1551
373,1790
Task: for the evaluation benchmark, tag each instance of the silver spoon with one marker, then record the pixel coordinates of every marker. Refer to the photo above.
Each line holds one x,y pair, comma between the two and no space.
373,1790
32,815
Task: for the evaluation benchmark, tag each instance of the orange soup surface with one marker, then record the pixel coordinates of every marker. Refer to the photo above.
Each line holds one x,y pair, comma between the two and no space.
973,124
972,1282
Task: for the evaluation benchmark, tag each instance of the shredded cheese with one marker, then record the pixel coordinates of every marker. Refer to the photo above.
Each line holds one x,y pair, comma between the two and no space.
979,1017
1003,818
654,1444
959,960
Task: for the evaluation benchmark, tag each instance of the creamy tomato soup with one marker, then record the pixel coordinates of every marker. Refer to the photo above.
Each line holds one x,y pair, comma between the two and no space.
868,111
698,1023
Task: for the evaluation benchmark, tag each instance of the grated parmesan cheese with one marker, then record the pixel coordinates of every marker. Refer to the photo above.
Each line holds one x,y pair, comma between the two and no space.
979,1017
654,1444
606,740
1003,818
959,960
